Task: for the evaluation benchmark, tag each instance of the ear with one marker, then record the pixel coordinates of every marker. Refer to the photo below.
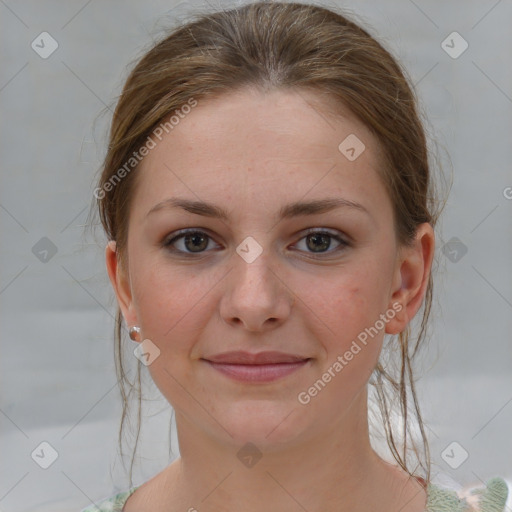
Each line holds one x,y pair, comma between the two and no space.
411,278
121,284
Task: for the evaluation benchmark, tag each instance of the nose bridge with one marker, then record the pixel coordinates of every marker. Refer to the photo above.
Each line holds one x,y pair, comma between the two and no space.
255,292
253,263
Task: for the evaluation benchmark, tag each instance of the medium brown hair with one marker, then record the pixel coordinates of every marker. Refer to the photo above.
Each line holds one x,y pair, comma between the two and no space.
273,45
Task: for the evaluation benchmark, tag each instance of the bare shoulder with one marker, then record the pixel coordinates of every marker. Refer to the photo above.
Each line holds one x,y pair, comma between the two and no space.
149,496
139,500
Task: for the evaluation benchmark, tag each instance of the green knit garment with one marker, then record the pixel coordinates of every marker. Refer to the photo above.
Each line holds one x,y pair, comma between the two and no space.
491,498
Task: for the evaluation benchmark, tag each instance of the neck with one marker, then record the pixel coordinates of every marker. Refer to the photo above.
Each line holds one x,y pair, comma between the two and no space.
335,469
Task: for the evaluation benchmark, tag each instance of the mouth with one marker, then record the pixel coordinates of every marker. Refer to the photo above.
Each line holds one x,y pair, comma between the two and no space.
261,367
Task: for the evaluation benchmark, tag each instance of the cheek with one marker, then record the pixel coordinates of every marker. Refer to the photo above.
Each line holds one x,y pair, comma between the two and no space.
172,309
170,306
343,303
351,348
349,309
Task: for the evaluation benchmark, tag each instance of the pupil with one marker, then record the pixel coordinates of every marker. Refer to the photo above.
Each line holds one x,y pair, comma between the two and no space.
196,237
318,237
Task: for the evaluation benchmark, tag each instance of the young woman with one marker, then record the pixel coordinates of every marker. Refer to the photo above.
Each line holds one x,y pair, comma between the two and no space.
270,212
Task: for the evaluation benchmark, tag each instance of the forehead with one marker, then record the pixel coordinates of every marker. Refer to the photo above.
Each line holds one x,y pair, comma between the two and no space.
294,123
264,146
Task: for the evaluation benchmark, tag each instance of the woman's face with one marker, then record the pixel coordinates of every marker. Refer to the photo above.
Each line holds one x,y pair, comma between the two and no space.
256,281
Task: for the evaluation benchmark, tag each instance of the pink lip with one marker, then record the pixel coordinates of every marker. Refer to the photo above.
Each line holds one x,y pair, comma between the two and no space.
262,367
240,357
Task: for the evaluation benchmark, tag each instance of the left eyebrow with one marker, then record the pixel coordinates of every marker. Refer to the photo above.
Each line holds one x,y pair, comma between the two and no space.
295,209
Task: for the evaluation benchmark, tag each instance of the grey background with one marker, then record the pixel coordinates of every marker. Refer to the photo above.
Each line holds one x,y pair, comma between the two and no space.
57,379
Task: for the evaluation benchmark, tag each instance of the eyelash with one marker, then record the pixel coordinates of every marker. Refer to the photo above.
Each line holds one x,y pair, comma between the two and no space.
167,243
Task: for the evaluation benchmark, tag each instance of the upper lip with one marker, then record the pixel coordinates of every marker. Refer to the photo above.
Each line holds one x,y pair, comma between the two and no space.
240,357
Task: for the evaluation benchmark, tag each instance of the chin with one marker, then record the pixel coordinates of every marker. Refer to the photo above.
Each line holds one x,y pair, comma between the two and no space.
265,424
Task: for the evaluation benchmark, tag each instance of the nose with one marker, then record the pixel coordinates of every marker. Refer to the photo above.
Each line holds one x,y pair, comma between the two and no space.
257,296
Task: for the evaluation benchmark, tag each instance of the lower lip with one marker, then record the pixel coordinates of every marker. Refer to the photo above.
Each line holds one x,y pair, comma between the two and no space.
257,372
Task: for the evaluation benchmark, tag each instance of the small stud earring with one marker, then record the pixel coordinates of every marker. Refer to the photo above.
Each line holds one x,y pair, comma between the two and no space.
134,333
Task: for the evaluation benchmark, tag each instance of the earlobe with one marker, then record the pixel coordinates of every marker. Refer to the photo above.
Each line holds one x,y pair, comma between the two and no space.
120,283
399,318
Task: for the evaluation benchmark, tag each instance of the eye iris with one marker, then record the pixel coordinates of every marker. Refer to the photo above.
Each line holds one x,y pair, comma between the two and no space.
319,237
196,237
